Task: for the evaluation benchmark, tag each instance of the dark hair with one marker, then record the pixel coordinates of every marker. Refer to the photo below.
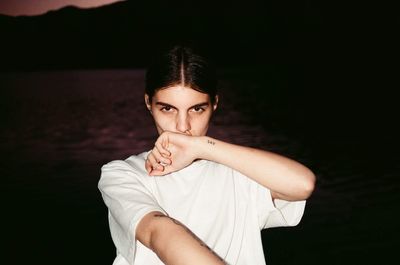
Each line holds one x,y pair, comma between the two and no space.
181,65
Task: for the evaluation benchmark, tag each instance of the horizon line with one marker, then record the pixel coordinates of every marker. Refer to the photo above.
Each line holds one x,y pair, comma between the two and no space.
35,14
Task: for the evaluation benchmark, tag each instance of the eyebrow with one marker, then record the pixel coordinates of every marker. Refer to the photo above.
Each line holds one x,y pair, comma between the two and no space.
203,104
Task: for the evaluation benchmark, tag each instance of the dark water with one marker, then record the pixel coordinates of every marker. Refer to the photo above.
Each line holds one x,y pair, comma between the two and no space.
58,128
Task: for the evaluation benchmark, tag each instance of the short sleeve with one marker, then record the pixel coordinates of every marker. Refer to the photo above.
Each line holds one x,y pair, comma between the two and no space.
128,201
276,213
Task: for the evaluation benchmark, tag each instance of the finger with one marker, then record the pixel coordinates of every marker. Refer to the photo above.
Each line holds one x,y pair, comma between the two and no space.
147,166
162,144
160,158
157,172
153,161
164,171
155,165
163,150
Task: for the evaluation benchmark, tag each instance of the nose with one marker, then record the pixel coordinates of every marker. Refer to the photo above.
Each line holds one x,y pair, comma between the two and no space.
183,123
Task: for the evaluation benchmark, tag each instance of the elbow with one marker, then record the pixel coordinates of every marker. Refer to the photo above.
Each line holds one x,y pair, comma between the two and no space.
307,185
302,188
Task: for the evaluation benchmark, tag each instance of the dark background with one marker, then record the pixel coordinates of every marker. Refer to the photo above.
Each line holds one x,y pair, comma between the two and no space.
341,56
334,68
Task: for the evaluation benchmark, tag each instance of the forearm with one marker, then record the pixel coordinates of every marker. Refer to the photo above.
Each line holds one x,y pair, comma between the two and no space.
174,243
284,176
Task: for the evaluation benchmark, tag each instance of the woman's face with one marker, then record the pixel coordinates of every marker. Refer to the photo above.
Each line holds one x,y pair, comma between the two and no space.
181,109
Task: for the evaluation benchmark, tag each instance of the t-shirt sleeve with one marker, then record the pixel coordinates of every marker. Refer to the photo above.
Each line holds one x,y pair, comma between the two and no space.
276,213
128,201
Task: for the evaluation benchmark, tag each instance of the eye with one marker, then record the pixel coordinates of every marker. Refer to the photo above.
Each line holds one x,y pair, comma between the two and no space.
198,109
166,109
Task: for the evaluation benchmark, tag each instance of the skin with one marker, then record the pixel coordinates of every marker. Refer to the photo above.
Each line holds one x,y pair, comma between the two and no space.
184,112
182,117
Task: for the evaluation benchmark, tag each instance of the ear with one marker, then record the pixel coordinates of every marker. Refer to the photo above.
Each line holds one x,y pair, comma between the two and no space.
215,103
147,102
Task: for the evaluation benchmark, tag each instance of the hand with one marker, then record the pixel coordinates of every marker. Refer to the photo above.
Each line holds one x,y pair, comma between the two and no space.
172,152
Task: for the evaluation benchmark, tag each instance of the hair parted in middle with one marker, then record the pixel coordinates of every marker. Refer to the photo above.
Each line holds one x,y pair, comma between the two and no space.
181,66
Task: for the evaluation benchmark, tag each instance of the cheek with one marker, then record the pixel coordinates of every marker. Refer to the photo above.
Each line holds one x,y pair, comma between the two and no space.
201,123
162,121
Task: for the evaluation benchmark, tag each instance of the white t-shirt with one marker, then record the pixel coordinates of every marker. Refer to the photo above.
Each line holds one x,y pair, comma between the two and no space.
221,206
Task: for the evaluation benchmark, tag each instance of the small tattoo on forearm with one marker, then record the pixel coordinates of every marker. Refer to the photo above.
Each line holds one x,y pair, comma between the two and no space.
191,233
210,142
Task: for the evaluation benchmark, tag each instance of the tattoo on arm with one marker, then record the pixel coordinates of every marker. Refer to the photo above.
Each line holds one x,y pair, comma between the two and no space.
210,142
191,233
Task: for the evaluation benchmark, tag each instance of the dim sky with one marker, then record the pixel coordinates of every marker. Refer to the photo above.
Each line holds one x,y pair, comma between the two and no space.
37,7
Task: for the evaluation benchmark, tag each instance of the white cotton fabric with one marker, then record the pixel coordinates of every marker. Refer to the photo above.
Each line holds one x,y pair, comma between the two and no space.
221,206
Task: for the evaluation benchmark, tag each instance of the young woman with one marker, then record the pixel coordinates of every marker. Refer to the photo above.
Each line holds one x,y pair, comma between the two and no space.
193,199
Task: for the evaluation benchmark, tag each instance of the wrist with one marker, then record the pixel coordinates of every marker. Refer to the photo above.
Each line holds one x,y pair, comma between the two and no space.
203,144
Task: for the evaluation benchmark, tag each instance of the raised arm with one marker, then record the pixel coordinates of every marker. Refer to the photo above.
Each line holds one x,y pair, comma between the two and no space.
174,243
287,179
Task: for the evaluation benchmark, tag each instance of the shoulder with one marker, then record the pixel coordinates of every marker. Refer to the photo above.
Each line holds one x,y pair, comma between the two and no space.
132,163
132,167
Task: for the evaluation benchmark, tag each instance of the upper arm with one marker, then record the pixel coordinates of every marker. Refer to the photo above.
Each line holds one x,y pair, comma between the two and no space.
128,200
145,228
125,193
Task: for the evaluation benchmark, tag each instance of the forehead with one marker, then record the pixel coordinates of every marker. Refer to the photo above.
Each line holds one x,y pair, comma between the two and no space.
180,96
